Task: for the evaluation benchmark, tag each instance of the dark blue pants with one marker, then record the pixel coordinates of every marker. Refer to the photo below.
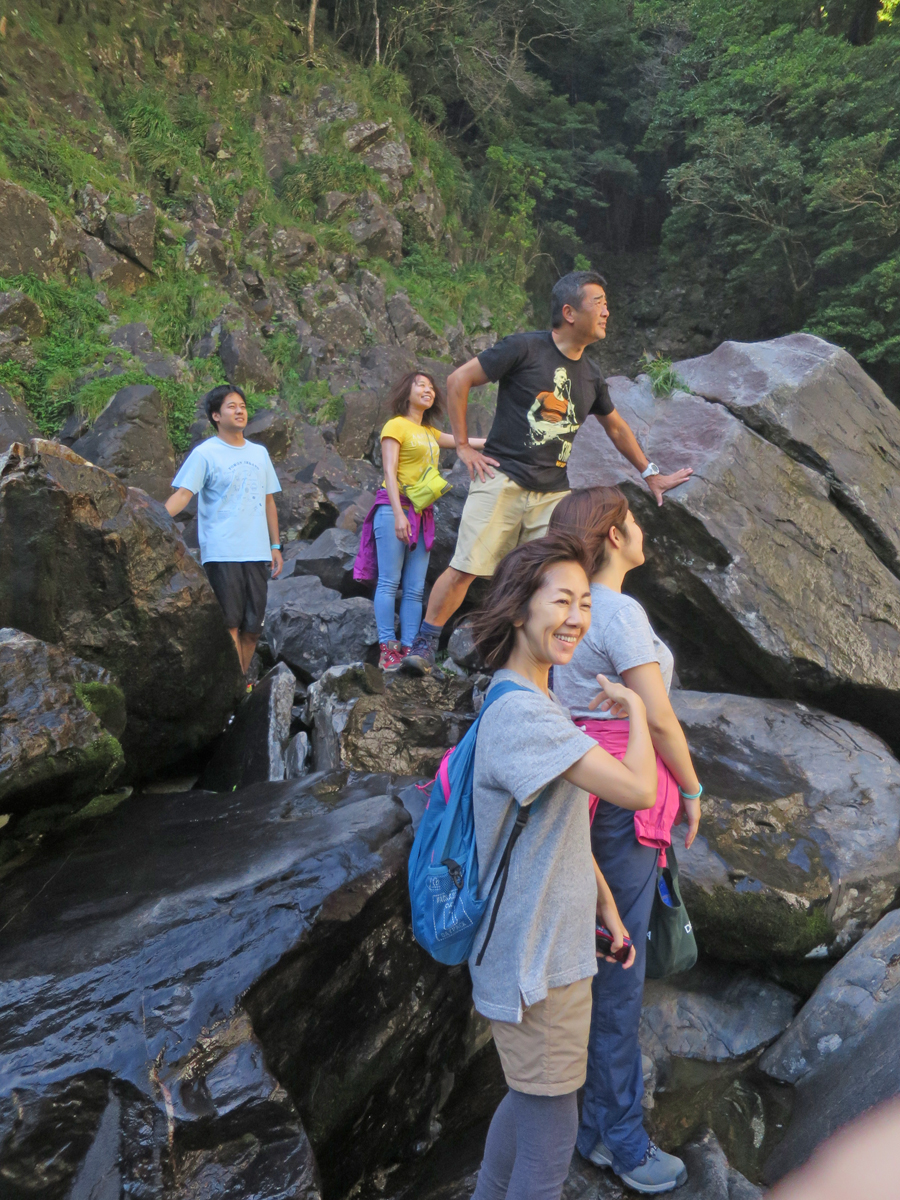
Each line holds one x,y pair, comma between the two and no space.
612,1111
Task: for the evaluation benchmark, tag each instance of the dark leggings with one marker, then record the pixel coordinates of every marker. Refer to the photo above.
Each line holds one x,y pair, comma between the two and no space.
529,1147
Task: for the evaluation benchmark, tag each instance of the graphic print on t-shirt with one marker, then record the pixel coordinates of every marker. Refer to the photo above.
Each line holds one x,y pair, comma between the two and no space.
552,417
244,489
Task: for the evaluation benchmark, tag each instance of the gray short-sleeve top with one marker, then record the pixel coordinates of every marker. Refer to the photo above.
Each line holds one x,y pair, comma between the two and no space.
544,935
620,637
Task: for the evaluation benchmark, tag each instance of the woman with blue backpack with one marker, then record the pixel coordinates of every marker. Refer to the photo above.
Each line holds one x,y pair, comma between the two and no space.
628,847
533,960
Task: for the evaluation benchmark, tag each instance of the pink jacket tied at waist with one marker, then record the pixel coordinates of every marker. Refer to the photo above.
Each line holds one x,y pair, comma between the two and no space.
421,524
652,826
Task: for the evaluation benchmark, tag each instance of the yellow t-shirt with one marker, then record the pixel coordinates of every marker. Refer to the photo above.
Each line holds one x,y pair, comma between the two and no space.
419,448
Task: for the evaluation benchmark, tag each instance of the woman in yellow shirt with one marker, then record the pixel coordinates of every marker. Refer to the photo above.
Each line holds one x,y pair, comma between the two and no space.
403,538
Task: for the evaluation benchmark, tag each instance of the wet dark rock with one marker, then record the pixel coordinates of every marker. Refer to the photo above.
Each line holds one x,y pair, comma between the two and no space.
133,337
243,936
33,242
100,570
376,230
133,234
712,1014
311,628
841,1052
296,759
798,841
16,422
108,268
19,310
273,429
76,425
60,718
330,558
745,560
244,362
130,439
253,747
363,720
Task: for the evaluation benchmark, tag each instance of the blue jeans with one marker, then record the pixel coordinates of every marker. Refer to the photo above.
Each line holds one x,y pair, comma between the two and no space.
399,565
612,1111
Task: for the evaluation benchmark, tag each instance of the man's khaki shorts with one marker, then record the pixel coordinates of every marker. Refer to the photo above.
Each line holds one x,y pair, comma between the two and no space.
546,1055
498,516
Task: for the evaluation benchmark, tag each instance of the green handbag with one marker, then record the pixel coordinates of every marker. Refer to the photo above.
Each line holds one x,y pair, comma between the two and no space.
671,945
430,485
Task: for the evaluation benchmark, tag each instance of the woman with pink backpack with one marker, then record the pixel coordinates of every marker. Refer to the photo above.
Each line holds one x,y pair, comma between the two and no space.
621,646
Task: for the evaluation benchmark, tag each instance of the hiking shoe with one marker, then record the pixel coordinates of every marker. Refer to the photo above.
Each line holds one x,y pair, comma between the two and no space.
600,1156
420,659
389,658
657,1172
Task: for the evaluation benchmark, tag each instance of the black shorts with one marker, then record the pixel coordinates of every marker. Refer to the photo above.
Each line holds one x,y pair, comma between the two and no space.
241,589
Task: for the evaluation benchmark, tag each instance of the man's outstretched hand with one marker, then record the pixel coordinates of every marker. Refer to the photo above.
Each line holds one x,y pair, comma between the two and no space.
660,484
476,461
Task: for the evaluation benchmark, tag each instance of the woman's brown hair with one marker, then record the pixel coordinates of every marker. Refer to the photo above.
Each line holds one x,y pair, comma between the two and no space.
590,513
399,397
515,581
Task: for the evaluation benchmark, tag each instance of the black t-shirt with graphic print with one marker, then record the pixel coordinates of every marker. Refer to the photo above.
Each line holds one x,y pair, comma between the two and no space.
543,399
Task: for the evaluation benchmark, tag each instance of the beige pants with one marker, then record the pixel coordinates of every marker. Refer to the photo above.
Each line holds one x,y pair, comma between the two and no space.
546,1055
498,516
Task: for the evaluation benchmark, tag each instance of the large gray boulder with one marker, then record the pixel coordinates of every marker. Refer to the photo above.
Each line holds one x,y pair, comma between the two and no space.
230,999
311,628
842,1052
375,229
130,440
330,558
244,362
761,574
363,720
712,1014
60,719
133,234
100,569
801,819
19,311
253,748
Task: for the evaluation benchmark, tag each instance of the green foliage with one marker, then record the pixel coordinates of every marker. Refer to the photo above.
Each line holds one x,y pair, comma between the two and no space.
303,184
664,379
790,179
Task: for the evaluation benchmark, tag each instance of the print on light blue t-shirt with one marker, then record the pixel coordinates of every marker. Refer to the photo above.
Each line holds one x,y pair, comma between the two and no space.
231,484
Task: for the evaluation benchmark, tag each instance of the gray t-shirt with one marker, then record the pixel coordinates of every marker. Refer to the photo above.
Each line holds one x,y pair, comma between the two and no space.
544,935
620,637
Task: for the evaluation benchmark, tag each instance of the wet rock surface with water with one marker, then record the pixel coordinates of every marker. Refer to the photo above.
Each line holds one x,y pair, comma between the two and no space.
798,839
246,972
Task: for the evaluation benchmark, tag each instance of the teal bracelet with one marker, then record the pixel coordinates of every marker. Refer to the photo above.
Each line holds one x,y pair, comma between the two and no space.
685,796
275,546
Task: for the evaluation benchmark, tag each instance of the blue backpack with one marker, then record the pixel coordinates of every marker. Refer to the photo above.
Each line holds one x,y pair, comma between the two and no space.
443,863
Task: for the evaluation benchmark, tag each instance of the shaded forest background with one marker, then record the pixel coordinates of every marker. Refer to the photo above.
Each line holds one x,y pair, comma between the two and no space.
734,169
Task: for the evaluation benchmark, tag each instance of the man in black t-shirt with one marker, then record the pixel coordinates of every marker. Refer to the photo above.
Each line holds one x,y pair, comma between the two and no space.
547,389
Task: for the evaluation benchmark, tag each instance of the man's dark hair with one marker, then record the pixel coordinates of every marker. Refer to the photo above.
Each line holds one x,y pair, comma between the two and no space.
399,397
214,400
515,581
570,290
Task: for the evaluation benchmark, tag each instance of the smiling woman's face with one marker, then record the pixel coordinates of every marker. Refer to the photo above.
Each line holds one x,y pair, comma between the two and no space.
559,615
421,393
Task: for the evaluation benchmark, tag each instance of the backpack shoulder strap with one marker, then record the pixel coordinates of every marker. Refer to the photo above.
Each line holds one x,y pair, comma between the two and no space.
503,688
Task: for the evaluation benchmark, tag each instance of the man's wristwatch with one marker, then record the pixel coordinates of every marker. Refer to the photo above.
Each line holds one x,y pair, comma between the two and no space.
650,469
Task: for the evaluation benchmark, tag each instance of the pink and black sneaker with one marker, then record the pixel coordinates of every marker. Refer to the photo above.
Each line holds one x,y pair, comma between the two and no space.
389,659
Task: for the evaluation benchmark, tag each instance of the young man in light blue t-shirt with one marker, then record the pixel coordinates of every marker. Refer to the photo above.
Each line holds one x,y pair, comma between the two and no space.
235,484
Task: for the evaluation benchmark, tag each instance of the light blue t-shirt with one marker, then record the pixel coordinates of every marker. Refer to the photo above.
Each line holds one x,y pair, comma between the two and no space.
231,483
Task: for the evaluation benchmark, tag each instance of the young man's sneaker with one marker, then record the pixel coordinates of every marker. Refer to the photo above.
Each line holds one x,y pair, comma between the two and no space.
656,1173
389,659
420,659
